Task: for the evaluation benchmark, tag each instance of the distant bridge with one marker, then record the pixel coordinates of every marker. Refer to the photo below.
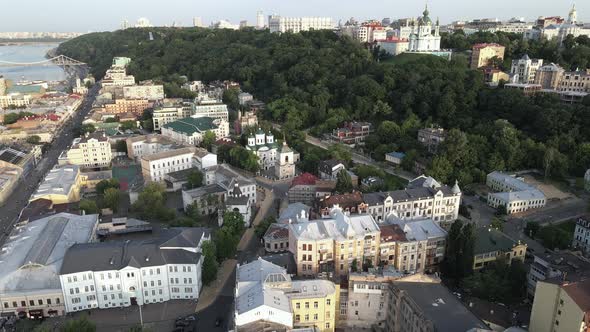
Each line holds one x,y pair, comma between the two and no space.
60,60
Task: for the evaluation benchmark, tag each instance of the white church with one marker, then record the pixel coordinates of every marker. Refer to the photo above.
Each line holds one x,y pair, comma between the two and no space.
270,154
422,38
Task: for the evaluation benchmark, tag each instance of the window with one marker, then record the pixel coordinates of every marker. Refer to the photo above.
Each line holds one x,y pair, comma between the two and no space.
306,305
328,325
40,302
57,301
315,304
297,318
31,302
5,304
297,305
306,317
315,316
328,302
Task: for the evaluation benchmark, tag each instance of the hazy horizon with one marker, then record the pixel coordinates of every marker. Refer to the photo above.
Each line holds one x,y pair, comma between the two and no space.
62,16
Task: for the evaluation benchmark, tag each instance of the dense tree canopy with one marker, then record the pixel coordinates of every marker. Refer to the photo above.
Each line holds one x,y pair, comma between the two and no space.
318,80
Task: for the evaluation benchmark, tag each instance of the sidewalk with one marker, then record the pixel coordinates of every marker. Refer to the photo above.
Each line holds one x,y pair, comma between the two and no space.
211,292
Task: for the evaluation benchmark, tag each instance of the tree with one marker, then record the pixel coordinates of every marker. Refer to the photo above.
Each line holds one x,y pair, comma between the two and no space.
34,139
354,265
234,222
81,324
151,203
194,179
226,243
103,185
208,140
263,226
121,146
531,229
209,262
343,182
497,224
440,169
128,125
87,128
111,198
458,261
88,206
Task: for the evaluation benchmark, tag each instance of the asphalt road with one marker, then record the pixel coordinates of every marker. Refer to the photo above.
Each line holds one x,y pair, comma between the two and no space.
10,211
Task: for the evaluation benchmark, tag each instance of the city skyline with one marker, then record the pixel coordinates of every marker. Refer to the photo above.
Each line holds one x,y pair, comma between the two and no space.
60,16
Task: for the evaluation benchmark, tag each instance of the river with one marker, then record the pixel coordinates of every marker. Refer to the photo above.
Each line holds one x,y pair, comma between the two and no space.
29,53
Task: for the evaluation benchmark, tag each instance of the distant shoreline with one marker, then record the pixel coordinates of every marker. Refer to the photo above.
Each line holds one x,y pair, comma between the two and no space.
32,42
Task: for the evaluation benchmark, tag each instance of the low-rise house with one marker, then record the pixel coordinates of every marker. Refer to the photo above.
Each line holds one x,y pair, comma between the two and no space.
352,133
155,167
395,158
31,260
244,98
351,203
561,265
561,306
581,239
227,177
190,131
134,272
276,238
267,296
332,245
236,201
513,193
61,185
208,199
329,169
89,179
491,245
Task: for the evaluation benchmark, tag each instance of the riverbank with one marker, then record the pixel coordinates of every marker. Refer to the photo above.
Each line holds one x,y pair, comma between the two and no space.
16,42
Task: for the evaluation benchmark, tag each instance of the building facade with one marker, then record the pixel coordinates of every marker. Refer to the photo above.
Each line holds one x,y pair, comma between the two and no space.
492,245
126,273
144,91
421,38
483,53
297,24
513,193
582,234
155,167
578,81
60,185
549,76
139,146
190,131
523,70
89,151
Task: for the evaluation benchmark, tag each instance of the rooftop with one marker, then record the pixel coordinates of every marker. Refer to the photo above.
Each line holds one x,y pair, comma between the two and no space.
440,306
338,227
41,246
169,153
189,126
304,179
490,240
174,246
293,212
59,181
580,293
343,200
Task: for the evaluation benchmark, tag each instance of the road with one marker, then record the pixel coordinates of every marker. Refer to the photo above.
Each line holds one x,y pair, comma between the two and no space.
10,211
361,159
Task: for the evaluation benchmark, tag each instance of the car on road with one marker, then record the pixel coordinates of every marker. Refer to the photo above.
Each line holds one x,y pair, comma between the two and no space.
182,323
218,322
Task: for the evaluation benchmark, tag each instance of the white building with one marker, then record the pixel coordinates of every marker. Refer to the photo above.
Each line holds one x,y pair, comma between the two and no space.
582,235
523,70
170,111
143,22
214,109
125,273
117,76
278,23
154,167
145,91
513,193
15,99
424,198
31,260
244,98
238,202
285,162
227,177
89,151
139,146
421,38
260,20
204,159
190,131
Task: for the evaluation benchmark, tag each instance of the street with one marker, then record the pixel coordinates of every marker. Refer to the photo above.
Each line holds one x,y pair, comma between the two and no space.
10,211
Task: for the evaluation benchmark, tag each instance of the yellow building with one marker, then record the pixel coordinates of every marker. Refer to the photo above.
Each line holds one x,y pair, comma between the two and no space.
491,244
314,304
61,185
561,307
483,53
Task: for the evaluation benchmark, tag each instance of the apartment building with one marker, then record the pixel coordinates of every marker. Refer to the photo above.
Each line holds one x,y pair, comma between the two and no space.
134,272
139,146
491,245
266,296
211,109
426,305
15,100
513,193
92,150
147,91
297,24
524,69
122,106
424,198
563,265
581,238
31,260
190,131
415,246
576,81
170,111
352,133
332,245
154,167
117,76
549,76
561,306
484,52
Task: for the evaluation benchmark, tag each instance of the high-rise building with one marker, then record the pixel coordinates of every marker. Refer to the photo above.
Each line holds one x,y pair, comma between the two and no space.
197,22
260,20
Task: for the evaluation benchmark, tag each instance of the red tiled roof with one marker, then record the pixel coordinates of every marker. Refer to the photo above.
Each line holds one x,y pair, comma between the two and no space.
344,200
276,231
304,179
580,293
391,233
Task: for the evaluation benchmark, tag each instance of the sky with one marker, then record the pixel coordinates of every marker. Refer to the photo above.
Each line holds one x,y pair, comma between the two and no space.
102,15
